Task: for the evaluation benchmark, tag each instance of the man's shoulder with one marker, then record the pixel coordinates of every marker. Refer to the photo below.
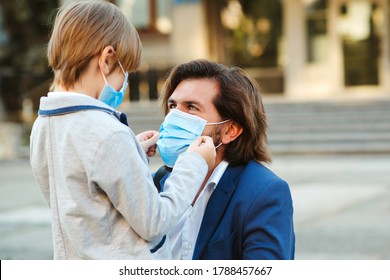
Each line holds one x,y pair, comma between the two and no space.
254,168
257,174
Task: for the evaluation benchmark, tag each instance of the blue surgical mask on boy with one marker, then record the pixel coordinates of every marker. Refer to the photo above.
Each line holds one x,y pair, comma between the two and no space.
177,132
109,95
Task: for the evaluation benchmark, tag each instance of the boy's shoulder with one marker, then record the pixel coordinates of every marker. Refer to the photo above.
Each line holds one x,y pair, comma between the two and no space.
87,111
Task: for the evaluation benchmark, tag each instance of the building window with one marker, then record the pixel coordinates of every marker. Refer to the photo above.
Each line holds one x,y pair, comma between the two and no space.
360,26
316,31
148,16
254,30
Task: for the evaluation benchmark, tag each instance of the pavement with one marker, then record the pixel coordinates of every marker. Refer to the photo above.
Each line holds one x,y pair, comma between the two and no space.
341,202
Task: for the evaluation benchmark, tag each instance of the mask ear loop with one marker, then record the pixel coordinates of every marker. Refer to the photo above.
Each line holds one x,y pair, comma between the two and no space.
123,70
215,123
104,77
124,73
120,65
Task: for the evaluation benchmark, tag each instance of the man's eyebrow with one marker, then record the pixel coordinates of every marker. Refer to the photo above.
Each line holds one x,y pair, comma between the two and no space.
192,102
188,102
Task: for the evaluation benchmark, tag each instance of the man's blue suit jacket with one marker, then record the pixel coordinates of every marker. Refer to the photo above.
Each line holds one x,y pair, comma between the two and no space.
248,216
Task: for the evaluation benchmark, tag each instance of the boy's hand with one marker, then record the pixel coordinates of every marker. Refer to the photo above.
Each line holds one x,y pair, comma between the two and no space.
204,146
148,141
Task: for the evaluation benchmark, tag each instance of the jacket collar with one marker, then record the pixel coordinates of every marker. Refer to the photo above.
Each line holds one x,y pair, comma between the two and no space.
216,207
62,104
72,109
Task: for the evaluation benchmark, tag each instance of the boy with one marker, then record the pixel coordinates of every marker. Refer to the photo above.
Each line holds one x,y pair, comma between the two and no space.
90,167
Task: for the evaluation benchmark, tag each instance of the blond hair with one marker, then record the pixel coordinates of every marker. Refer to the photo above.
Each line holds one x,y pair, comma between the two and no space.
81,31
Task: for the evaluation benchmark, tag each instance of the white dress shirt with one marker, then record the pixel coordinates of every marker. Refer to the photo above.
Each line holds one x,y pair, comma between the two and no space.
182,237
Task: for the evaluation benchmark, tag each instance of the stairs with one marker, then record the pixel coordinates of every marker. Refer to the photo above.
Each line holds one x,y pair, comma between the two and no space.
354,126
329,127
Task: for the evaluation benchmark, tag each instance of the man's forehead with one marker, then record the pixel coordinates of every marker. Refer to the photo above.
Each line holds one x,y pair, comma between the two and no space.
195,91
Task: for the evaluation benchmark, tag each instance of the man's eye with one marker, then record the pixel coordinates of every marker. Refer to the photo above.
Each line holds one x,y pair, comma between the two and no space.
172,106
190,107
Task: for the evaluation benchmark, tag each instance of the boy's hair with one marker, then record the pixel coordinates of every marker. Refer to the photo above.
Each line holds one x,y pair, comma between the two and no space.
82,29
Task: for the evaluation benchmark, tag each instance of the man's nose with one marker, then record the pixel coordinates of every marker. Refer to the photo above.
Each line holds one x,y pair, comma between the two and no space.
181,108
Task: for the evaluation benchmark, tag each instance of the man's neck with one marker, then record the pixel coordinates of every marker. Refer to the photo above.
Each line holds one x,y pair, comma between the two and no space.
217,162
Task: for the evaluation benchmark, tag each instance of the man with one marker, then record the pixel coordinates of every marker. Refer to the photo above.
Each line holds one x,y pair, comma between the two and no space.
243,210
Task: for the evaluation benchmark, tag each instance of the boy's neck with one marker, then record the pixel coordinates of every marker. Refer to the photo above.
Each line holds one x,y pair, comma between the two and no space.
81,90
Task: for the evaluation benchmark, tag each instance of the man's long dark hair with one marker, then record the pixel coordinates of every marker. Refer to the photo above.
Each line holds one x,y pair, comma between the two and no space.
238,100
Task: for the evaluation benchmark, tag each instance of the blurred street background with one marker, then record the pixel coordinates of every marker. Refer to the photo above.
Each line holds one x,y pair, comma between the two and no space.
323,66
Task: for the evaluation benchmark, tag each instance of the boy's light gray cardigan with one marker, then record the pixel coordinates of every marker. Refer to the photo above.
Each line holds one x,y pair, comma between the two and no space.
95,177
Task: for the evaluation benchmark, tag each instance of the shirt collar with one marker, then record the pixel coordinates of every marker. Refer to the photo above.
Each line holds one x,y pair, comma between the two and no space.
217,174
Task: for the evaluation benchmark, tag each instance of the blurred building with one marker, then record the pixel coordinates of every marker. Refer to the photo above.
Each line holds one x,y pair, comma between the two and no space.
299,48
296,48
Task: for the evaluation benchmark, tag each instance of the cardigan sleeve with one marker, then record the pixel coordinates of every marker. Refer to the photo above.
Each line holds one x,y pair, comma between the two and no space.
122,173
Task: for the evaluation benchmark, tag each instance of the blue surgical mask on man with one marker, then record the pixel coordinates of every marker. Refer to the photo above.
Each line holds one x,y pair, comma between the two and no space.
109,95
177,132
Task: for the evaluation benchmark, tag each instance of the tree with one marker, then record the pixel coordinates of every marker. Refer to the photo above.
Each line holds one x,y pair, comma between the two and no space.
23,65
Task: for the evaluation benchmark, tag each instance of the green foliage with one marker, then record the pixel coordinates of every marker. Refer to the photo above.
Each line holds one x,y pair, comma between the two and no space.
23,62
26,25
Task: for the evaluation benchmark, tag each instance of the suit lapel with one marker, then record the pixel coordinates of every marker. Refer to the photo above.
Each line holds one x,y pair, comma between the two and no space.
215,208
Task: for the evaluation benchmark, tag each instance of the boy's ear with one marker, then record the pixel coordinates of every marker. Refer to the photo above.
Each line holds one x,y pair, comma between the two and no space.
231,132
107,60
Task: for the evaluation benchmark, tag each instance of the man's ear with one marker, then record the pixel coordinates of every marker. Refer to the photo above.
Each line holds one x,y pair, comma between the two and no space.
231,131
107,60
